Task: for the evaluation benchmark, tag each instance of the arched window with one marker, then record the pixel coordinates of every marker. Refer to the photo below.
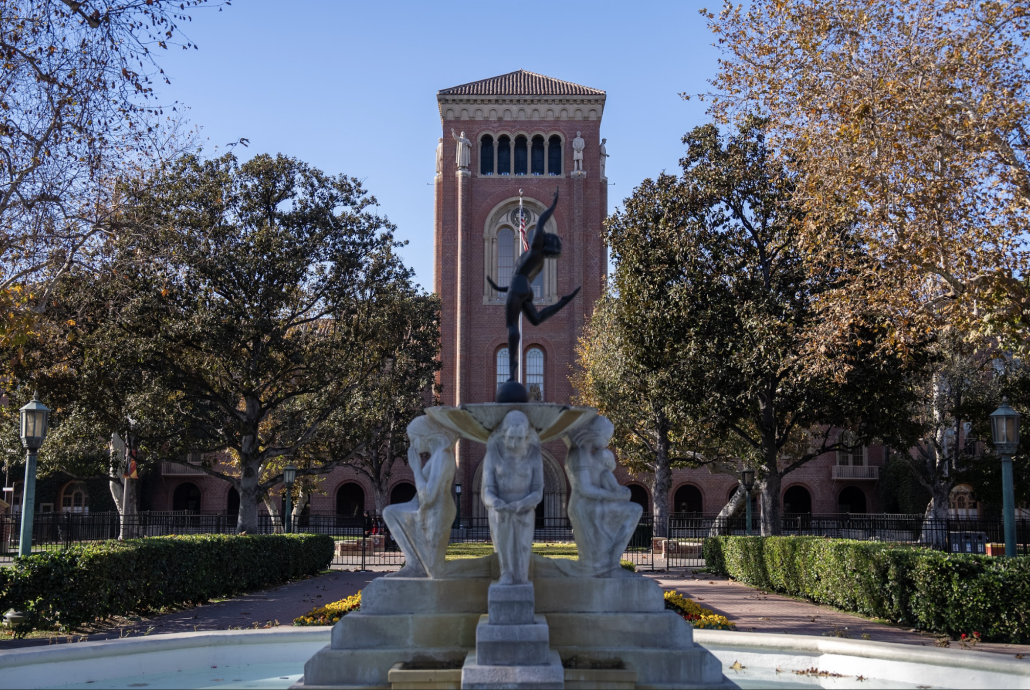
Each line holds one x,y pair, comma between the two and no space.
350,500
503,155
505,256
521,155
232,502
75,498
486,155
186,498
851,500
797,500
962,503
688,499
502,365
535,373
537,156
638,495
402,493
554,160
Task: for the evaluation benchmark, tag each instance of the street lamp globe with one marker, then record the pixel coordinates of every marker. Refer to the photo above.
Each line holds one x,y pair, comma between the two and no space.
1005,428
289,475
34,420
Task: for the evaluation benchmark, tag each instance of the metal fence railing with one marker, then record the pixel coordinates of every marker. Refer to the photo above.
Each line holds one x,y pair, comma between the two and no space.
366,542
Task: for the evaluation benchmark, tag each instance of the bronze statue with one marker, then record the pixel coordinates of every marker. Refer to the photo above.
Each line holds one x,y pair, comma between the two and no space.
542,244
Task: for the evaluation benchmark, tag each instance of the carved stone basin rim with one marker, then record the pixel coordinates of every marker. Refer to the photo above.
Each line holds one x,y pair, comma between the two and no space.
475,421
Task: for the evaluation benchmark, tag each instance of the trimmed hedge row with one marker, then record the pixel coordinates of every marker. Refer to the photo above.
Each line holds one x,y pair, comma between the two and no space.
65,589
929,590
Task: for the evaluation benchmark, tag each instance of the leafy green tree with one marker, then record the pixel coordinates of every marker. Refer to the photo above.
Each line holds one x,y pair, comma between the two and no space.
717,315
279,301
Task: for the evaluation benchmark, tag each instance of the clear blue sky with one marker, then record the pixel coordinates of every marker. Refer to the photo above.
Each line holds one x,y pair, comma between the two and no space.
350,87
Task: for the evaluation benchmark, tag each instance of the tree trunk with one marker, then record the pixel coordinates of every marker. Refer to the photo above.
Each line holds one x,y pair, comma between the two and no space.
303,496
247,521
732,507
770,504
935,519
116,454
661,484
273,513
381,497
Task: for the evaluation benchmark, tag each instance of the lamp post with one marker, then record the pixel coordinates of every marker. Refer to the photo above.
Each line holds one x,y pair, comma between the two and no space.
34,419
289,477
1005,430
457,492
747,478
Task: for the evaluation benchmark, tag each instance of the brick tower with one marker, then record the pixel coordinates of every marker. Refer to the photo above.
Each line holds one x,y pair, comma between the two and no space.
522,128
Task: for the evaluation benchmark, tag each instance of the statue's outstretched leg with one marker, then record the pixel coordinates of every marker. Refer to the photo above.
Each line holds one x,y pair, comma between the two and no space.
538,317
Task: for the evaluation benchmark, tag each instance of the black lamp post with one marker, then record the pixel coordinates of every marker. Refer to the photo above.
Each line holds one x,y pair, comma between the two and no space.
34,420
457,492
289,477
747,478
1005,430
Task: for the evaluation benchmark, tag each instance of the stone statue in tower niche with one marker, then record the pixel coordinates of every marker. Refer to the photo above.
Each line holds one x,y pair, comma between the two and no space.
463,151
439,156
604,157
513,484
602,515
519,300
577,152
422,526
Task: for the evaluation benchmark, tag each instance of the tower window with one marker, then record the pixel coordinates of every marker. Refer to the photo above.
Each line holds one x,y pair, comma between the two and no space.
537,156
502,365
505,256
521,155
554,155
503,155
486,155
535,373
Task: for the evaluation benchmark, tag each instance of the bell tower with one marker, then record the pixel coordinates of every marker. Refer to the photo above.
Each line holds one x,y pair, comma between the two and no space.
517,135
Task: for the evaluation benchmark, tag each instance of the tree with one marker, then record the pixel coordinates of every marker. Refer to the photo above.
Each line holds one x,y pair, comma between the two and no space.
713,292
277,303
909,118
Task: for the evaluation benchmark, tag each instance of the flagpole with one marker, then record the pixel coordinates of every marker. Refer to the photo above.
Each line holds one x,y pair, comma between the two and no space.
522,246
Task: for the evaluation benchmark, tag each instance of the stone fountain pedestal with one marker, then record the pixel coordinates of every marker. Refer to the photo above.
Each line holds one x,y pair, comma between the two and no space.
512,645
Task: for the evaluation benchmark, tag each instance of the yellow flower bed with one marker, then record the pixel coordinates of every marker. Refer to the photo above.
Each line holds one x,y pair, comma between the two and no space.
330,613
699,617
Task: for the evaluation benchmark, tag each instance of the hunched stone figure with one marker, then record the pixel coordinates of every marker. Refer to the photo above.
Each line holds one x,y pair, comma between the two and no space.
513,484
422,526
603,518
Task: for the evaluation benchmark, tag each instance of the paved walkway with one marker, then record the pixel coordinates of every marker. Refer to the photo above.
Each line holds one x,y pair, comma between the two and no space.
751,609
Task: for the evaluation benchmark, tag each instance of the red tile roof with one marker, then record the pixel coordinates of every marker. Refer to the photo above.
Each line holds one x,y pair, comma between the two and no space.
520,83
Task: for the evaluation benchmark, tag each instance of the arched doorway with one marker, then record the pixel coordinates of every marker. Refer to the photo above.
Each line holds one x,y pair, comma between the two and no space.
350,500
851,500
232,502
797,501
688,500
402,493
186,498
638,495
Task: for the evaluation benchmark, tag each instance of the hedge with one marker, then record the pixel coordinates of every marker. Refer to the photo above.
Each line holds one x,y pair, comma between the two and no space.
928,590
81,584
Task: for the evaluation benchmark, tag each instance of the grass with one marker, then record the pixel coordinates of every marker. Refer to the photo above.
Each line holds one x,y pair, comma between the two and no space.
457,551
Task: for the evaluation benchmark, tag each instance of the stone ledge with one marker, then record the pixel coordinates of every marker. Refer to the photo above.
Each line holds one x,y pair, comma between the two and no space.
546,676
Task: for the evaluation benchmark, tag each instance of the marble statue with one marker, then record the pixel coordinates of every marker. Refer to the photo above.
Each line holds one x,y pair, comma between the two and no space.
604,157
513,484
519,299
463,151
439,156
602,515
422,526
577,152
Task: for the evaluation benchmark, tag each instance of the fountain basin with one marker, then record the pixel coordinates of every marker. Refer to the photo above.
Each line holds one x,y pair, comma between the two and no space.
274,658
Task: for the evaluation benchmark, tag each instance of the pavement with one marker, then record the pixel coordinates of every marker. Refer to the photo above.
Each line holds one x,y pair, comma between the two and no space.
751,609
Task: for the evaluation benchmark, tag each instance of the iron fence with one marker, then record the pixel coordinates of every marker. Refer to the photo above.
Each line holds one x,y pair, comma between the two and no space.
366,542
